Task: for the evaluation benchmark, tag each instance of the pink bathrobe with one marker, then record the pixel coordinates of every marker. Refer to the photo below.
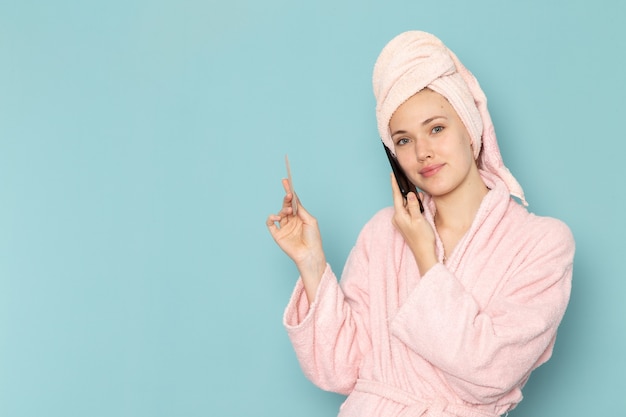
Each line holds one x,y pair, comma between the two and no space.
461,340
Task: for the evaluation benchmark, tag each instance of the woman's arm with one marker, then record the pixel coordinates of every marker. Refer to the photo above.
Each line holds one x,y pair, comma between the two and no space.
326,326
332,335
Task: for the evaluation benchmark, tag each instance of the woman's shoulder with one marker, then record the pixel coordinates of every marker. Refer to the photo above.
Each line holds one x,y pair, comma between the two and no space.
539,226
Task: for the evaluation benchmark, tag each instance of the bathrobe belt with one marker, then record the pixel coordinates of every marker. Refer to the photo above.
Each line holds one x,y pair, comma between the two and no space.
414,406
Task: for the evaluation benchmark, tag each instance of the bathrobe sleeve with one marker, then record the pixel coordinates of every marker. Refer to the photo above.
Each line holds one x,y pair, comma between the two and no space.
486,351
330,335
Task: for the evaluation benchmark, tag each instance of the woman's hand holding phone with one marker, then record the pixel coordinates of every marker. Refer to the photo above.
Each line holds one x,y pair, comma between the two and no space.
414,228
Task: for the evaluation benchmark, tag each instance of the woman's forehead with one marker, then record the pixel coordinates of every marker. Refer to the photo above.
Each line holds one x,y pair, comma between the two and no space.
424,104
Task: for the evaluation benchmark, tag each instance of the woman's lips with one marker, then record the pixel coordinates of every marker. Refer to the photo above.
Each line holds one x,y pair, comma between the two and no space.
430,170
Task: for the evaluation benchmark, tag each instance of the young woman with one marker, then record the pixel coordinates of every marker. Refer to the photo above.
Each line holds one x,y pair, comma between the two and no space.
440,313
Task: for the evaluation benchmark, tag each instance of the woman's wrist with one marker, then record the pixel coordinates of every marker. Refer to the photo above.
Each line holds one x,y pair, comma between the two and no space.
425,260
312,268
311,272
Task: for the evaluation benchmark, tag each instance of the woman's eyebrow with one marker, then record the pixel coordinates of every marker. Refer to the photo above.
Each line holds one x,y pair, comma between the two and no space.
427,121
399,132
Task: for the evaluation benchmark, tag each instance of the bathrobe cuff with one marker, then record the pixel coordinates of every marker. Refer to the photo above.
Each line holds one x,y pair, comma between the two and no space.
299,311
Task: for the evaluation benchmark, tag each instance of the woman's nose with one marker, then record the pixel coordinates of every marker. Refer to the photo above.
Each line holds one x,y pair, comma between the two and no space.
423,150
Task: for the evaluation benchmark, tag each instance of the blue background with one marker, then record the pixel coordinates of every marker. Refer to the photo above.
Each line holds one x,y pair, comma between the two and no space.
142,146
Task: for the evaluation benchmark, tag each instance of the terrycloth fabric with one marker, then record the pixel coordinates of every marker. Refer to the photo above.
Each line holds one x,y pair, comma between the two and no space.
416,60
461,340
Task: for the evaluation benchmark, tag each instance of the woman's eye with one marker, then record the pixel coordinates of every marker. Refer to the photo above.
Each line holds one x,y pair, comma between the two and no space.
437,129
402,141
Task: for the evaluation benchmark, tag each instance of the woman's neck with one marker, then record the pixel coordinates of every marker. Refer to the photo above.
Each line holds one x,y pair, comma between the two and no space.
456,210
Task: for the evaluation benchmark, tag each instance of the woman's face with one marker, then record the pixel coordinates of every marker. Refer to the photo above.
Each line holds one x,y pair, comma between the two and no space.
432,144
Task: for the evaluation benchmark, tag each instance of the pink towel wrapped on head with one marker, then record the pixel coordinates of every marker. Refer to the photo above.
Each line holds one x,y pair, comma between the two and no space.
416,60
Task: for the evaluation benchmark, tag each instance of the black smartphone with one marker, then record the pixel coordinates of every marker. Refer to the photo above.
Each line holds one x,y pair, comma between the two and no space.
404,184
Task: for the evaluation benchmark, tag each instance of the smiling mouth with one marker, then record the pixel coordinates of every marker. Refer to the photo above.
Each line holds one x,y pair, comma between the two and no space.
430,170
